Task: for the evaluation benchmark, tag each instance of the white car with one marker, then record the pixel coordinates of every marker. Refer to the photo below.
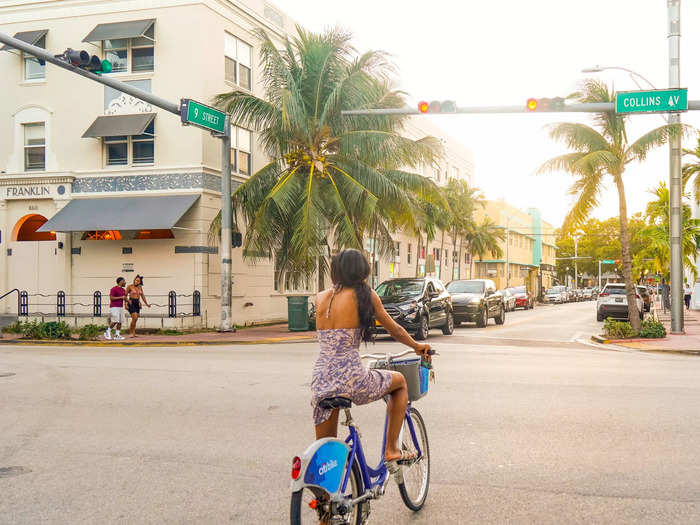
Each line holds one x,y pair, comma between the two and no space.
612,302
556,294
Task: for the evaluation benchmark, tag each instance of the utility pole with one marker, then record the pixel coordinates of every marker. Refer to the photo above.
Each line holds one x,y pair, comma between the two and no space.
576,263
225,136
507,255
600,263
674,81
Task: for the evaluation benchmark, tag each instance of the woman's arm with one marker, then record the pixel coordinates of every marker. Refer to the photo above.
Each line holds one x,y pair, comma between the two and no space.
396,331
144,297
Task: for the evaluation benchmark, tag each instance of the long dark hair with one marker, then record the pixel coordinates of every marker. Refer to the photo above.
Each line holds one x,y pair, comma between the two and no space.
350,269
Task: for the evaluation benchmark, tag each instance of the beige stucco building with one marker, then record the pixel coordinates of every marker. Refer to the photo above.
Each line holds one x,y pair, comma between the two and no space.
65,139
529,248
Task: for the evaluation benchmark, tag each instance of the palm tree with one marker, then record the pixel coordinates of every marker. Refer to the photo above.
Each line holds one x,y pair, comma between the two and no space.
331,179
655,235
484,238
691,169
599,152
462,201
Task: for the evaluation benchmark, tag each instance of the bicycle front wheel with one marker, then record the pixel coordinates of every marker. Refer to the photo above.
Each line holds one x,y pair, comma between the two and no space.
416,476
309,505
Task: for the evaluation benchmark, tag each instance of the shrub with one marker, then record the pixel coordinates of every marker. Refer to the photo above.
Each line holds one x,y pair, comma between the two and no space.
14,328
50,330
55,330
90,332
652,329
618,329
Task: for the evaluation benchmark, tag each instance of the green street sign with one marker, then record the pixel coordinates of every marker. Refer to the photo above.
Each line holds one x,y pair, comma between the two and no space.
206,117
608,261
653,101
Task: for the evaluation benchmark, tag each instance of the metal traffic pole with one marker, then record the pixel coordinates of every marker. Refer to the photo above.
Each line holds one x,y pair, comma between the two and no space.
674,81
226,229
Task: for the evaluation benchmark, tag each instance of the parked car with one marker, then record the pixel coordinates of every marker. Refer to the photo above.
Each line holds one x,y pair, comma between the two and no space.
612,302
523,298
587,294
508,299
418,305
476,300
556,295
643,292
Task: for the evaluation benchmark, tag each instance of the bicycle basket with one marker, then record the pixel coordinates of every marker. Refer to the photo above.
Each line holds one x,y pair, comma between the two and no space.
415,374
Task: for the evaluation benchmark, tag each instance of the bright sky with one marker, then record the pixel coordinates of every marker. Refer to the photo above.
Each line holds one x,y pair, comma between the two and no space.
501,52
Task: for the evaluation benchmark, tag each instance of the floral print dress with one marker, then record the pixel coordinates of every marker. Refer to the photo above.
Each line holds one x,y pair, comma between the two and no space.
339,372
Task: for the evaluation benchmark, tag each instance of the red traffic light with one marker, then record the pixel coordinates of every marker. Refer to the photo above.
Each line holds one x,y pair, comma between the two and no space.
545,104
531,104
435,106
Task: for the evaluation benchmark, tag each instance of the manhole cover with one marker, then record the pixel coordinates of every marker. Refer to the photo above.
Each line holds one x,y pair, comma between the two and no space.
6,374
8,472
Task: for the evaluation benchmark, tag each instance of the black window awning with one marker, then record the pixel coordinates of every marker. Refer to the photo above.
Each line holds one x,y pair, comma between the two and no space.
117,30
120,213
118,125
30,37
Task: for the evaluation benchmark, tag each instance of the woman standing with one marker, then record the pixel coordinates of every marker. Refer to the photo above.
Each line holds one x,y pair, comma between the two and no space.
135,293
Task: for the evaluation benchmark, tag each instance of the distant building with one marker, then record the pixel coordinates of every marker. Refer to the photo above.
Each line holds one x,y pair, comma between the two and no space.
528,251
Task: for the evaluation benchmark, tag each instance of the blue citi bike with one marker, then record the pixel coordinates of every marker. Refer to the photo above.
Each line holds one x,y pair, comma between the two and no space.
332,482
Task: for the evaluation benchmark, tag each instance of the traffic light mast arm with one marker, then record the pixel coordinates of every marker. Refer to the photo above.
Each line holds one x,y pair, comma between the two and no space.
598,107
116,84
573,108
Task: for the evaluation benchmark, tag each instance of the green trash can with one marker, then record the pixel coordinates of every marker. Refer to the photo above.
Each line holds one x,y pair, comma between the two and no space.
298,313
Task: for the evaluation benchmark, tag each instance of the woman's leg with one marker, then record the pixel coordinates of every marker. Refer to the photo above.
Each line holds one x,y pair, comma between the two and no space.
132,328
329,428
396,407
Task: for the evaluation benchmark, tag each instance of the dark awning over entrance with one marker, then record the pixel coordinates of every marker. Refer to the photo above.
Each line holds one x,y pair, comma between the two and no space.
116,125
30,37
116,30
121,213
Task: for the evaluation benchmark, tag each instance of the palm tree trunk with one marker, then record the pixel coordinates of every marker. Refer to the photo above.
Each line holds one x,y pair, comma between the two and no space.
632,310
442,254
459,260
454,249
420,238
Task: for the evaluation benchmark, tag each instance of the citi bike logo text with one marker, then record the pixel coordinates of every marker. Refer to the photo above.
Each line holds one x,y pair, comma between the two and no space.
328,465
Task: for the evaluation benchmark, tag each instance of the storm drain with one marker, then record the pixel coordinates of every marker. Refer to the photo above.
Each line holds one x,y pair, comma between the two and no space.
9,472
6,374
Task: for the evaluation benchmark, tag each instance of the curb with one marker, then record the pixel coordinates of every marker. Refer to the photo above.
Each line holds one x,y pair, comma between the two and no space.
625,342
602,340
144,344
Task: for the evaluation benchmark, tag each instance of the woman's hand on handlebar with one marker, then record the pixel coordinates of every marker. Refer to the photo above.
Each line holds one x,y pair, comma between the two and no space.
423,350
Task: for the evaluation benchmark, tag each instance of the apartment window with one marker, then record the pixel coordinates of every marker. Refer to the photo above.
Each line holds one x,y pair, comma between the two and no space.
135,55
33,70
455,172
408,253
133,150
397,251
241,143
34,146
238,62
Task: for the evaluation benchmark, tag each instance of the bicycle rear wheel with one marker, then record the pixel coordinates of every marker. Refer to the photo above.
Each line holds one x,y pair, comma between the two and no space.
416,476
303,513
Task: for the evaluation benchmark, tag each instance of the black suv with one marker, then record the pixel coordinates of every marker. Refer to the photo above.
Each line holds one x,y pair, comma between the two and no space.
476,300
417,304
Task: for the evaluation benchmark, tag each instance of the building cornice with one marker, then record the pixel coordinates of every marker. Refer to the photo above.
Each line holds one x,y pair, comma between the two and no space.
16,180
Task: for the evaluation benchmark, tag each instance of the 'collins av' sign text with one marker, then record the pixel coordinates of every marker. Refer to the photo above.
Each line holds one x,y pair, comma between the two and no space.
653,101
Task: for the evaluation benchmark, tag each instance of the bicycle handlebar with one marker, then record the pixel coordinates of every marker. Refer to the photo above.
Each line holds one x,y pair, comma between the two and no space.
389,356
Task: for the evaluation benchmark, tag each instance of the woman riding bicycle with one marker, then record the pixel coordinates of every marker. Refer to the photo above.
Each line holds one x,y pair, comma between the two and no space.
345,315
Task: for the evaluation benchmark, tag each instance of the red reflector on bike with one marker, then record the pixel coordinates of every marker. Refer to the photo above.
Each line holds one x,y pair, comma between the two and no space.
604,294
313,504
296,468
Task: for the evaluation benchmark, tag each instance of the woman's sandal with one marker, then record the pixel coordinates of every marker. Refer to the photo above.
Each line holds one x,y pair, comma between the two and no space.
395,464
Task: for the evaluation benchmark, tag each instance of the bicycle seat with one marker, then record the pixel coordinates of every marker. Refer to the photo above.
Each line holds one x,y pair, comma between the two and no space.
331,403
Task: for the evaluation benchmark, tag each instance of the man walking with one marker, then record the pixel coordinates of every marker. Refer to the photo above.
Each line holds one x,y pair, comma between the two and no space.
116,309
688,291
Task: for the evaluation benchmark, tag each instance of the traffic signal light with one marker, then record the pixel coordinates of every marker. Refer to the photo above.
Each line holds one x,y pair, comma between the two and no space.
446,106
82,59
545,104
236,239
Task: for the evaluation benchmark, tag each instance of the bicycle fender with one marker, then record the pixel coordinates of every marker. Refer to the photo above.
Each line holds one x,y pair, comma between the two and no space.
323,465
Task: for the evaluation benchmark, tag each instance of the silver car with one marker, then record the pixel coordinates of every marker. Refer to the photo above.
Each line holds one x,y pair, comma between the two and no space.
556,295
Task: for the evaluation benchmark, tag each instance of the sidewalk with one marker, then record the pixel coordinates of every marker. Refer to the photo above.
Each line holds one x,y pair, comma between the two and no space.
685,343
277,333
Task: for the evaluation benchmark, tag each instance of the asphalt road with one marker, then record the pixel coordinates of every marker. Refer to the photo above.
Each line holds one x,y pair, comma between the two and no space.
526,433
